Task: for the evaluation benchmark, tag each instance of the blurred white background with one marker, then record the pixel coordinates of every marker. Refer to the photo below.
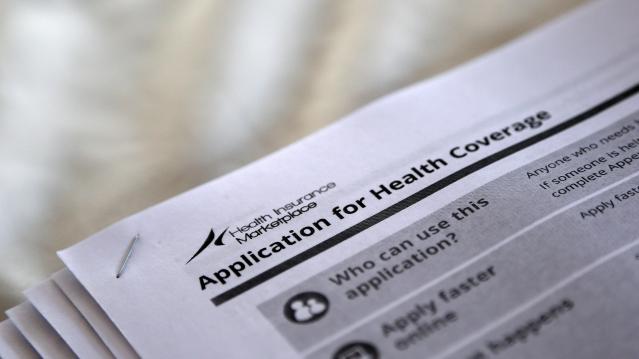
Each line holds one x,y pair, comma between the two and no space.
108,107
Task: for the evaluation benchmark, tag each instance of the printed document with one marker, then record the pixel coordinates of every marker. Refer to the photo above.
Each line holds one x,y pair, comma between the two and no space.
490,212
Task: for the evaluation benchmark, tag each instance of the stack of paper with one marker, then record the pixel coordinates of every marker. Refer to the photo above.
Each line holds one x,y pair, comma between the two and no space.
489,212
61,320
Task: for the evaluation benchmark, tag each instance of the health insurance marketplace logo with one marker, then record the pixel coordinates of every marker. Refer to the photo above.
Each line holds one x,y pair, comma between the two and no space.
207,242
265,222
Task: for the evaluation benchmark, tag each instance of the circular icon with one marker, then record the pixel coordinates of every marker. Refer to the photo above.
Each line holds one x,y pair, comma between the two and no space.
357,350
306,307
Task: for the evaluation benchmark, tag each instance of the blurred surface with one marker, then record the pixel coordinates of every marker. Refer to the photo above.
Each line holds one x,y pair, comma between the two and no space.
108,107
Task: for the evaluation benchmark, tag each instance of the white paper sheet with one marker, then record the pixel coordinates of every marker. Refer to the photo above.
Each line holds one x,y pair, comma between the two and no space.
39,332
94,315
13,344
67,321
298,255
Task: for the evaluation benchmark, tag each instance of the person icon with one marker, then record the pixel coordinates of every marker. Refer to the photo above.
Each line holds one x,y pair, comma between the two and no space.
301,311
306,307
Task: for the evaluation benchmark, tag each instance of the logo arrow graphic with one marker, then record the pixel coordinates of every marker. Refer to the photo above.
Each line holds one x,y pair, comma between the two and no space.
207,242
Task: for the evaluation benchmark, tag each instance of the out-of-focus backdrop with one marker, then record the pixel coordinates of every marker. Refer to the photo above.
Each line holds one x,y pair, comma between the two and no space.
108,107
